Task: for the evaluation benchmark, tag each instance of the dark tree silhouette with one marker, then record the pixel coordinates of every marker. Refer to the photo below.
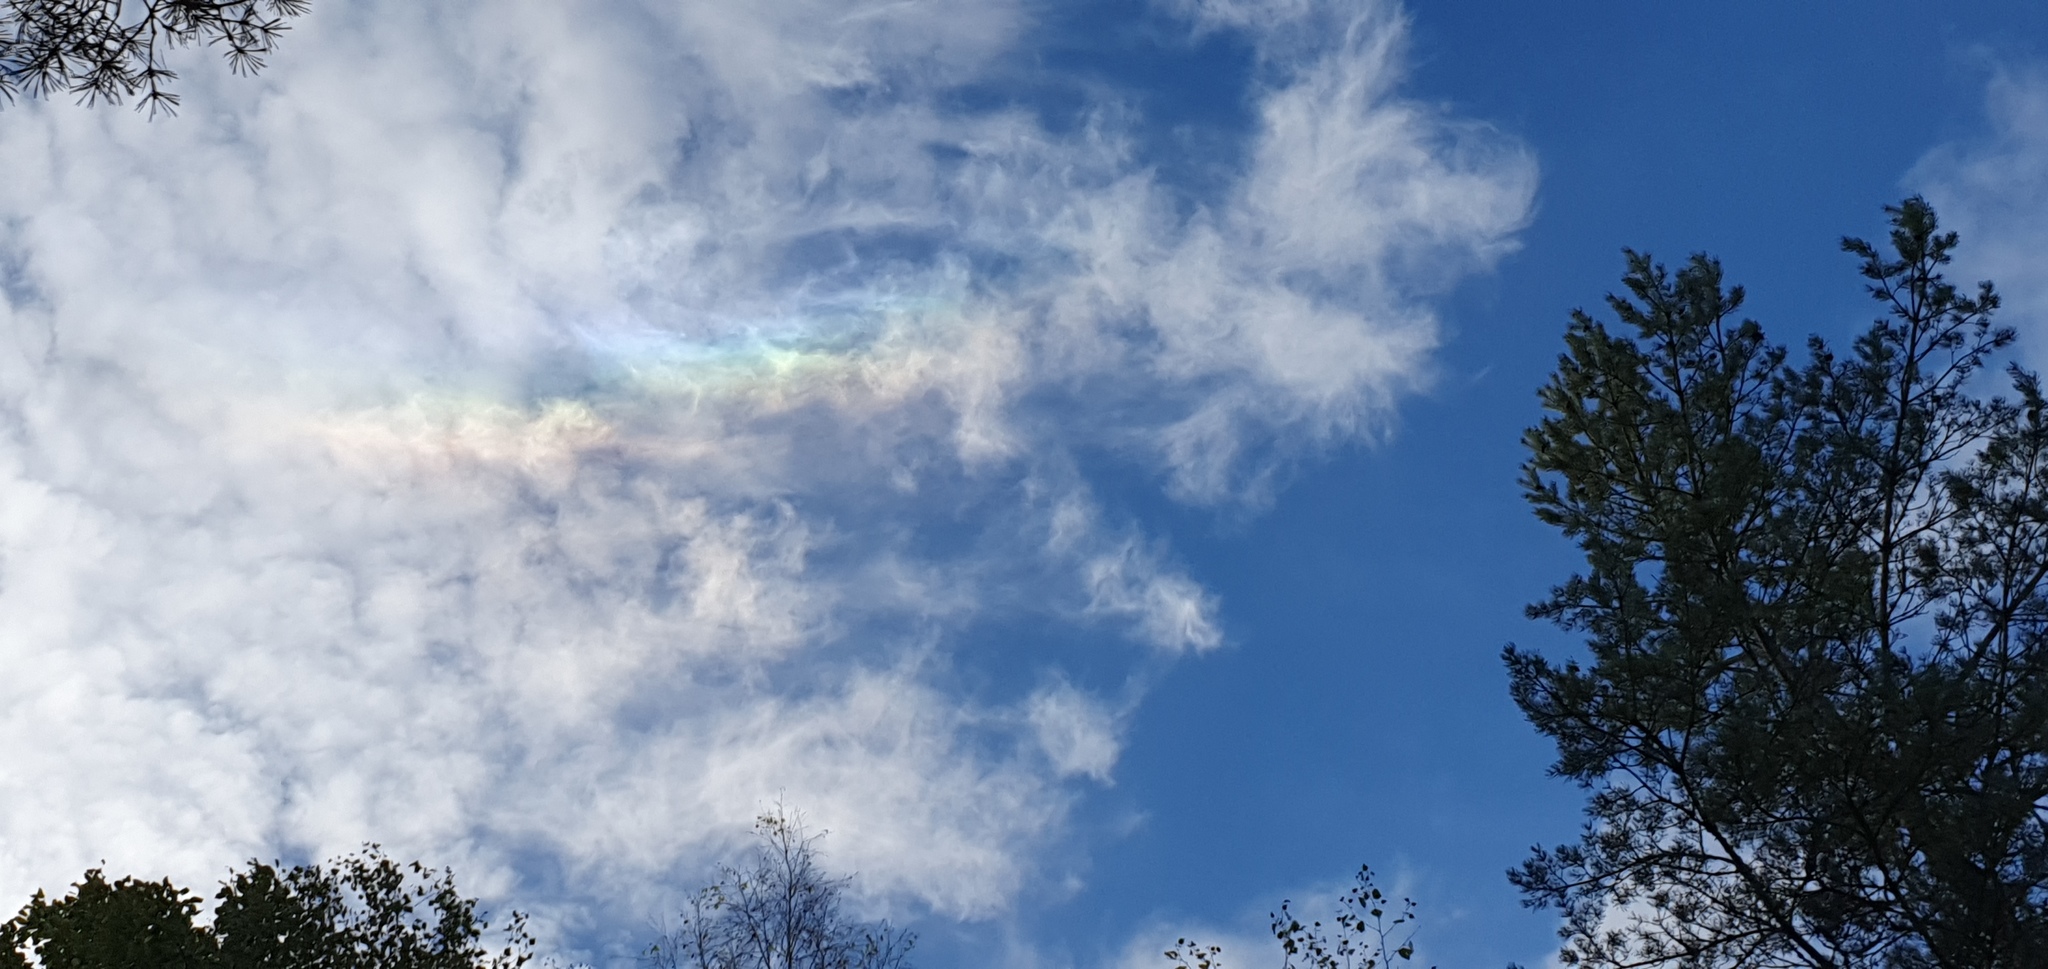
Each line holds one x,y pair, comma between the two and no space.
363,911
1368,930
1813,716
780,912
109,50
105,924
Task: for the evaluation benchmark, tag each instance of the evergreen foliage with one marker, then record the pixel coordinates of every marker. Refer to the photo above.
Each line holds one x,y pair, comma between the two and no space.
1813,717
106,50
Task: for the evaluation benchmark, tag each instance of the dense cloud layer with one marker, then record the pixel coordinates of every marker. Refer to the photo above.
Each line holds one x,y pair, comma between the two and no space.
516,432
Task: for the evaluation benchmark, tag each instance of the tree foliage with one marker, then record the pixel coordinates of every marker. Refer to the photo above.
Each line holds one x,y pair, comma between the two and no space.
362,911
1812,717
105,924
782,911
1369,930
107,50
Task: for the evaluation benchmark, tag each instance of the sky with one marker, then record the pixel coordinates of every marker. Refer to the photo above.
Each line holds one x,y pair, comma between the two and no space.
1066,450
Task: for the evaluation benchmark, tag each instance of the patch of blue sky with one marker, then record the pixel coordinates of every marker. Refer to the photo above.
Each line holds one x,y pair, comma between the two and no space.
1359,712
1190,95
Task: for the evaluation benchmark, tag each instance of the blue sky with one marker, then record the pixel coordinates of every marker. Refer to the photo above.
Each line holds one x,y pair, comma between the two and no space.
1362,715
1068,450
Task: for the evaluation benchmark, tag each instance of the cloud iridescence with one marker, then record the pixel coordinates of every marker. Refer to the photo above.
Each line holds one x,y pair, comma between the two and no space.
504,431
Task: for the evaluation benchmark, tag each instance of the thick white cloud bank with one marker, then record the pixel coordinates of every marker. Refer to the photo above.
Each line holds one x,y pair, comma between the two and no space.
511,432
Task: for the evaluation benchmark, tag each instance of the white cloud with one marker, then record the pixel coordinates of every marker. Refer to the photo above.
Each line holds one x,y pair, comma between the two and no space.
1078,734
1127,579
505,431
1993,190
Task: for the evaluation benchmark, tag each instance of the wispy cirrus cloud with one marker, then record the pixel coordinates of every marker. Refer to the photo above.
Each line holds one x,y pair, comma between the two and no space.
517,433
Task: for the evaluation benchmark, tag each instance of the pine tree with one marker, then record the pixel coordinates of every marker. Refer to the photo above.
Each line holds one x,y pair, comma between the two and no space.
1813,714
107,50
